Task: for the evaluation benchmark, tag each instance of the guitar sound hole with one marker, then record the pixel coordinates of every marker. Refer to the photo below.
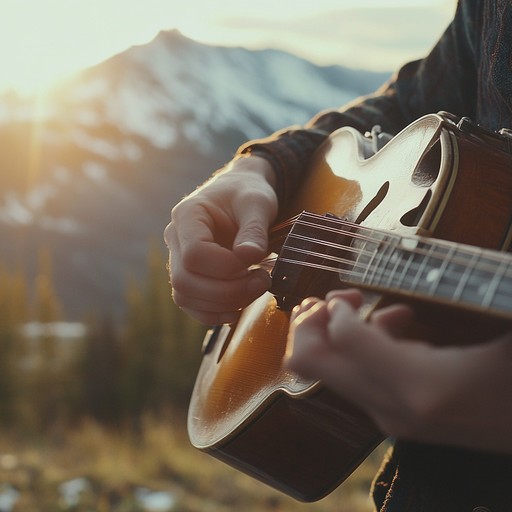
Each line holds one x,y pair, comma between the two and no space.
412,217
225,345
379,197
219,334
427,170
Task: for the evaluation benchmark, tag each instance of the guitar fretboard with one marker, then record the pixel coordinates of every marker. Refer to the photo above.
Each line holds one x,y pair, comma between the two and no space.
432,268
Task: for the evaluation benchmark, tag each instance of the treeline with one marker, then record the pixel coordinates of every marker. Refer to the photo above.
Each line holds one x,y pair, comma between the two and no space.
115,372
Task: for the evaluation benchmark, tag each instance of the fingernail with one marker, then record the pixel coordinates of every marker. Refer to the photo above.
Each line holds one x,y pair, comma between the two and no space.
250,243
339,304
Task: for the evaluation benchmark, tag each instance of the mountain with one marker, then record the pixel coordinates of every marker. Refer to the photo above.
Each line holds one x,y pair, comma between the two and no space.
91,170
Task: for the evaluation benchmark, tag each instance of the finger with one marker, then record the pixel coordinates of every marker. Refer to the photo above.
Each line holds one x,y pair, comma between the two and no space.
219,295
311,352
351,295
193,249
251,241
346,330
209,291
395,319
306,337
303,307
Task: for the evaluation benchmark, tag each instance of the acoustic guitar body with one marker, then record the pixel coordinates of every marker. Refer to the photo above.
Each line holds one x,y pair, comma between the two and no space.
434,179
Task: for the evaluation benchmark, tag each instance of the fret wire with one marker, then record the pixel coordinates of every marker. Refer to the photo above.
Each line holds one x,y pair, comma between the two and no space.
396,264
364,276
415,273
429,257
374,277
446,285
421,268
466,274
442,269
494,284
458,255
405,269
503,300
390,251
477,272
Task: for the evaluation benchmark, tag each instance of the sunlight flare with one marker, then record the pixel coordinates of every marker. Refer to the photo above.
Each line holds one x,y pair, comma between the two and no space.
45,41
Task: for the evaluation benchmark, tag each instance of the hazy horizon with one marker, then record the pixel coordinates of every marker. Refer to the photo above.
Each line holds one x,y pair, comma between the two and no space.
43,41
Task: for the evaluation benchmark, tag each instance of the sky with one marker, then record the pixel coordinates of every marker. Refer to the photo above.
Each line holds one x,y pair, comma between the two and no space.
43,41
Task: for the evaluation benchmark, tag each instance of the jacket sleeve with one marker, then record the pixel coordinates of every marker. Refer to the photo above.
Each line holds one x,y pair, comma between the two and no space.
444,80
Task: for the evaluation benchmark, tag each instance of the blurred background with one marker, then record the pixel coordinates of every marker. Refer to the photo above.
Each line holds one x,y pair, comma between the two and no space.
110,112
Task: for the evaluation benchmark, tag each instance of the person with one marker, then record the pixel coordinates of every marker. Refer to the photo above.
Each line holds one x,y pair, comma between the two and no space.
449,408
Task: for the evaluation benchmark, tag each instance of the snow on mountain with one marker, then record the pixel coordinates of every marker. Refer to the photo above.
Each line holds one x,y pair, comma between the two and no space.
175,86
93,170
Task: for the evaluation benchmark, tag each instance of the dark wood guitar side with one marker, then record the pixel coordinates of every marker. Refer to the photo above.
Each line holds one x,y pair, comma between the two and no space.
435,179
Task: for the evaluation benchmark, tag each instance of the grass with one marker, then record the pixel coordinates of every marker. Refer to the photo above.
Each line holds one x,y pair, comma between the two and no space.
115,464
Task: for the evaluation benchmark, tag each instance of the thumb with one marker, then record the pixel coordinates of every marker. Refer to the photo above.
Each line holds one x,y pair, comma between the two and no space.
251,241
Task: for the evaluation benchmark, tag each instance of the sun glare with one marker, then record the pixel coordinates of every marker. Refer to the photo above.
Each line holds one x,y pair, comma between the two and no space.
30,60
44,41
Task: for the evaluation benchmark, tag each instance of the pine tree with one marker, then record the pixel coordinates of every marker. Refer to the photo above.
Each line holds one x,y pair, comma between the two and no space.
47,309
46,390
99,369
13,349
180,337
162,345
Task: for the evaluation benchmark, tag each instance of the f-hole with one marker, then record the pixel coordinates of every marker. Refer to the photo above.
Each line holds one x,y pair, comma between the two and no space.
374,203
412,217
428,167
225,339
218,334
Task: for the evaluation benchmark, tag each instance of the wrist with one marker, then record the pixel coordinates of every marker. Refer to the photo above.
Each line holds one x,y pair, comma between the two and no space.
247,163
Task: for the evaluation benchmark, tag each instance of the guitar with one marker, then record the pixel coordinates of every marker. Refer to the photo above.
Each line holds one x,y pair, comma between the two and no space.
427,220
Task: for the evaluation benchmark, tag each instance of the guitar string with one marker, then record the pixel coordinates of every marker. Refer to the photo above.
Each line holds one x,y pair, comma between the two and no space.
501,297
457,270
320,222
463,252
386,238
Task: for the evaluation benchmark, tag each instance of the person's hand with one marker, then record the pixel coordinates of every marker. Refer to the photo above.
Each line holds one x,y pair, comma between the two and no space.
215,235
413,390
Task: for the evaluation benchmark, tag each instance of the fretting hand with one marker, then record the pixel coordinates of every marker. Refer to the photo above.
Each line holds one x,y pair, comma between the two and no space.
413,390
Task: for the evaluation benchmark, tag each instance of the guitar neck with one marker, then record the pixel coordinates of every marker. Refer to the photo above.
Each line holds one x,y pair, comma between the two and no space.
445,272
